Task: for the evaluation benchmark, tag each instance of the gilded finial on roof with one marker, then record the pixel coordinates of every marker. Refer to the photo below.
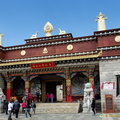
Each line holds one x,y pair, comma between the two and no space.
48,28
101,22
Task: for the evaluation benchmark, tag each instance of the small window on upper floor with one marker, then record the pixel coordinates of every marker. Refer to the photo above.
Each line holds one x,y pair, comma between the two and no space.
118,86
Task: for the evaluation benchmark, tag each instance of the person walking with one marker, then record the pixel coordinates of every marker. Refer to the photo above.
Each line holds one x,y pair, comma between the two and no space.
33,106
23,106
6,106
10,109
27,110
16,107
51,97
93,106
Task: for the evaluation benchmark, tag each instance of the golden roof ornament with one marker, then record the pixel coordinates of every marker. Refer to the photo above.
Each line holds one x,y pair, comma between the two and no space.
61,31
45,50
34,36
48,28
101,22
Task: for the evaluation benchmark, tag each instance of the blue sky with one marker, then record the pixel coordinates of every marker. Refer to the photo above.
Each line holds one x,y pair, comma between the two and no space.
19,19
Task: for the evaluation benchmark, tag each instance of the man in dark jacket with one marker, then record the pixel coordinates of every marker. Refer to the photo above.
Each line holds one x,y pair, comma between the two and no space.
93,105
16,107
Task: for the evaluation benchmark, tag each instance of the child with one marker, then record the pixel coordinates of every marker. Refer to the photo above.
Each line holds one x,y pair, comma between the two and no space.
33,106
23,106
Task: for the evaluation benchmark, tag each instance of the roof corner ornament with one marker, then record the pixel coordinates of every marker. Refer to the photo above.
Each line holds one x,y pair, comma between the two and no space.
61,31
34,36
101,22
48,28
1,35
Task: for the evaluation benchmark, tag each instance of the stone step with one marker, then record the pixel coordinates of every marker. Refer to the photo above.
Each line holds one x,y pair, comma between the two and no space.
61,108
97,107
57,107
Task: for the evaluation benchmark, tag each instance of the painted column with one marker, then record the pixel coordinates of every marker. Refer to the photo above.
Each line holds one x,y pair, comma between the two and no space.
91,76
9,85
9,89
27,86
68,86
27,82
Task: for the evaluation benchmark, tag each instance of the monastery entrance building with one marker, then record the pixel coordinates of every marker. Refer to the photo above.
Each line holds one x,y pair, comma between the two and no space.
61,64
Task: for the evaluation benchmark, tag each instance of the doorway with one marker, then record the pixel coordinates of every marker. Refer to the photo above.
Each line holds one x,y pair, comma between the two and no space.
51,88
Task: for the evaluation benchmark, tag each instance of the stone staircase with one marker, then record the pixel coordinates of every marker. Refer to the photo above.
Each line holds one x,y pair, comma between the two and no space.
62,107
57,107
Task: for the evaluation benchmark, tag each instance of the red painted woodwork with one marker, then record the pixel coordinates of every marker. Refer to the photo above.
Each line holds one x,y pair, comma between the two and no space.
68,94
77,98
111,52
9,94
1,54
52,50
107,41
68,99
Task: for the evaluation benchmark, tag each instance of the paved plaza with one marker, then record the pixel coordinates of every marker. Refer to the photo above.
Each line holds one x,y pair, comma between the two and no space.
78,116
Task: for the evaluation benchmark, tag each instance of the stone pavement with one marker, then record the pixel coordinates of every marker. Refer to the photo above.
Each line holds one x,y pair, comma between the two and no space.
78,116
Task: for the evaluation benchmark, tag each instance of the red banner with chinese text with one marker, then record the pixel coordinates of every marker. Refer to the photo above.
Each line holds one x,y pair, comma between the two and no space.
42,65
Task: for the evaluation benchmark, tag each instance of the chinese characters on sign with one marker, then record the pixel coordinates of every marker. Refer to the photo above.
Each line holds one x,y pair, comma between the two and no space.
42,65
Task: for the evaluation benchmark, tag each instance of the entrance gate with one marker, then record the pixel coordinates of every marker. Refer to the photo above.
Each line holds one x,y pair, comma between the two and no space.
55,87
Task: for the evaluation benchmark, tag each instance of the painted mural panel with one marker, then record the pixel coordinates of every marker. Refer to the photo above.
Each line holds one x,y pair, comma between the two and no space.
78,82
35,86
18,86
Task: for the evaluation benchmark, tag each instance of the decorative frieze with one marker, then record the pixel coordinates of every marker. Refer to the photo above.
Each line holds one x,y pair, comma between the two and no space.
110,57
104,33
109,48
51,56
49,43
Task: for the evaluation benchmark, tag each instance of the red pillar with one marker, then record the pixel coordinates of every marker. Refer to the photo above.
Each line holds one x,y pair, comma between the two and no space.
68,97
68,86
9,90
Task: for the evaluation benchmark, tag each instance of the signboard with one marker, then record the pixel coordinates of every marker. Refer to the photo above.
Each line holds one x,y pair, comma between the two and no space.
108,85
42,65
109,103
